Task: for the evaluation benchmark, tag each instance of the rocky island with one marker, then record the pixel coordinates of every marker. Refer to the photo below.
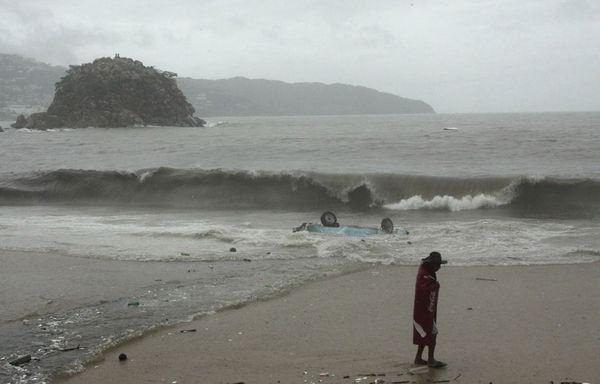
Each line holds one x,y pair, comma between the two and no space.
114,92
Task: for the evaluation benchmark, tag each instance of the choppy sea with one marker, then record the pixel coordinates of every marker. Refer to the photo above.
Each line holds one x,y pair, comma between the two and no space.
483,189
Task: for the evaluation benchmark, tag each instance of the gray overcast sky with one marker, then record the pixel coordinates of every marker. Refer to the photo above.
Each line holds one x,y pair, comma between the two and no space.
457,55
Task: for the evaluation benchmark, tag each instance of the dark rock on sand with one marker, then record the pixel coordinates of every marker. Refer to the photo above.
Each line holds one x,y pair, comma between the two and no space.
115,92
21,360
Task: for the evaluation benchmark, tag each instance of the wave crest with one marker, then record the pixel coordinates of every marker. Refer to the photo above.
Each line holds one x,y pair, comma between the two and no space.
234,189
446,202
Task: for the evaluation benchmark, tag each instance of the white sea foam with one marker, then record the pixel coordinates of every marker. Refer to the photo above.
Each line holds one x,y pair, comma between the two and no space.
212,124
447,202
28,130
142,177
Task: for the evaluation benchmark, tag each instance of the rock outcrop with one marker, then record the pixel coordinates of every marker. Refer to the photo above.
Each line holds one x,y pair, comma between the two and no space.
114,92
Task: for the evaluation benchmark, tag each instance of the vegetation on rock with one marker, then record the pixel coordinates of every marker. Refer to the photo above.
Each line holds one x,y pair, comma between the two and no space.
114,92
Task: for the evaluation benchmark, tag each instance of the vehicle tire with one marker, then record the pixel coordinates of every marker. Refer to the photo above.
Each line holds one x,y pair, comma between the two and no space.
387,225
328,219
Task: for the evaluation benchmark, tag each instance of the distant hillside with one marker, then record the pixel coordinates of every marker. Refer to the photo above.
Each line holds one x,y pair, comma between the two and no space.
28,86
240,96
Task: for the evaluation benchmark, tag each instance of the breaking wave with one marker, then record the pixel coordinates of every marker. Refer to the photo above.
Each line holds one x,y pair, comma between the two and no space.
448,203
231,189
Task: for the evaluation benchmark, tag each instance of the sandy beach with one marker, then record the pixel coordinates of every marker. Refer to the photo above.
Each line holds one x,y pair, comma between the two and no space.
517,324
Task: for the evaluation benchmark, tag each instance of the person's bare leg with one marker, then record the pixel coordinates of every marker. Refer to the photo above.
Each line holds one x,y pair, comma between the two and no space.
431,361
419,357
431,353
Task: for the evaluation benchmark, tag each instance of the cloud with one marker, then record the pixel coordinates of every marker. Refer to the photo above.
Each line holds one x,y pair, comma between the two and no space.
578,10
37,31
460,56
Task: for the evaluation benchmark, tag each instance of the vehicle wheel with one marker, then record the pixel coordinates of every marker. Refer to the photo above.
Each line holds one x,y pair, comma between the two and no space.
387,225
328,219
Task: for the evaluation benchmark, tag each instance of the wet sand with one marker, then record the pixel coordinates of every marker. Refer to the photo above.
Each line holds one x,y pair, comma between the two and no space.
520,324
36,283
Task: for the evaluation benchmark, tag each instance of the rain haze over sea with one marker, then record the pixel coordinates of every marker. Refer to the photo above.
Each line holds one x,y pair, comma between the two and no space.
108,233
156,212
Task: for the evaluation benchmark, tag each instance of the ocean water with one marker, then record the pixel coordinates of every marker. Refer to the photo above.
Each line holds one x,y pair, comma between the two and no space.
483,189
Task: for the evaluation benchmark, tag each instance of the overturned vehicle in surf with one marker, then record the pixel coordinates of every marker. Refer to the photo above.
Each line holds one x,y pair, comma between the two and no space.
329,224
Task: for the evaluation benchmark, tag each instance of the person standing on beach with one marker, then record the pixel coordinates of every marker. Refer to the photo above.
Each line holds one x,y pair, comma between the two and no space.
425,310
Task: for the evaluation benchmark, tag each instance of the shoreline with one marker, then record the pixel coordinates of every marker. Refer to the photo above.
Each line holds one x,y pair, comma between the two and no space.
497,324
51,281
